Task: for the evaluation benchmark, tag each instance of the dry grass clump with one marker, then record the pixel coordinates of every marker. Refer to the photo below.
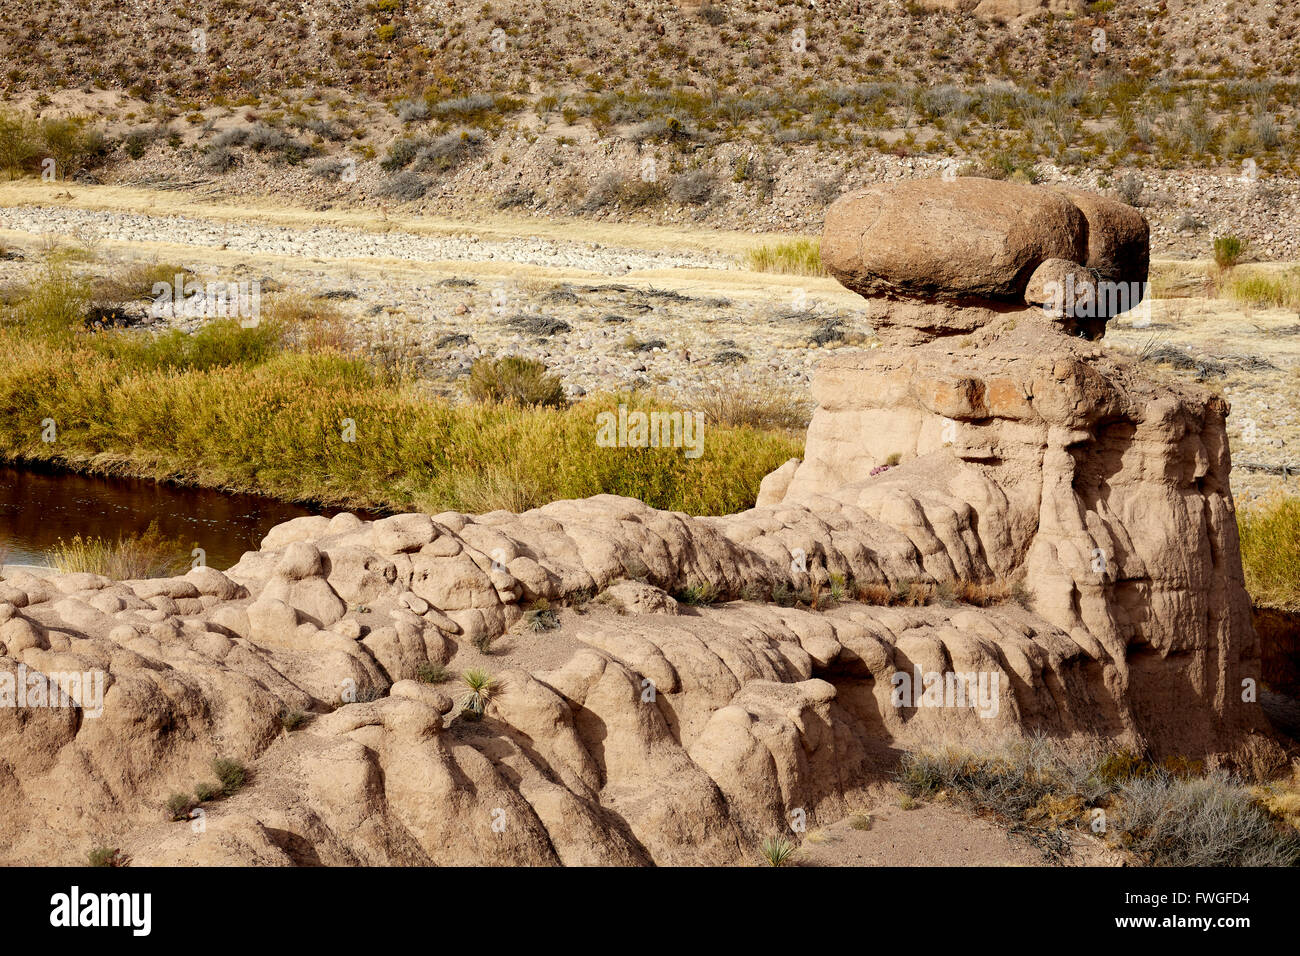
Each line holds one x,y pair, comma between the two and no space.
512,379
769,407
307,323
917,593
1266,290
796,257
145,555
1163,814
1270,550
136,282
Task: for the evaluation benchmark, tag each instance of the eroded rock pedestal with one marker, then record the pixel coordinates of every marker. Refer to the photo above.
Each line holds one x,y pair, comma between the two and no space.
1003,459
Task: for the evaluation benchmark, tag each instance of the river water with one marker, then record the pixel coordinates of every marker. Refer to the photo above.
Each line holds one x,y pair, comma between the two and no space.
39,507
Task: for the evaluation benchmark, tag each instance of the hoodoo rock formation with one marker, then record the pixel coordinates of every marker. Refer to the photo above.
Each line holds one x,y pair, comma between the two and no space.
989,447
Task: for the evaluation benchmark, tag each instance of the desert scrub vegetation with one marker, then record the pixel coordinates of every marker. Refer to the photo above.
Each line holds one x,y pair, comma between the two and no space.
293,409
518,380
235,409
1266,289
231,774
1169,813
796,257
106,856
1270,550
73,143
131,556
1228,250
757,407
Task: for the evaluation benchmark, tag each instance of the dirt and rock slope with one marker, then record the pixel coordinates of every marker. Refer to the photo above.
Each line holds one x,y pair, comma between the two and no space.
1077,518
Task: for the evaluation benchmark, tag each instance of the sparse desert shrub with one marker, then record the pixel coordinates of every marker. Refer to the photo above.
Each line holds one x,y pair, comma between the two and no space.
235,136
205,792
145,555
630,192
231,774
137,141
431,672
694,187
1210,821
1267,290
541,617
106,856
18,142
278,144
405,186
179,806
770,407
698,594
1129,188
516,197
401,152
410,111
512,379
444,153
53,304
219,159
1168,814
713,15
795,257
72,143
292,718
1228,250
776,851
1270,550
330,168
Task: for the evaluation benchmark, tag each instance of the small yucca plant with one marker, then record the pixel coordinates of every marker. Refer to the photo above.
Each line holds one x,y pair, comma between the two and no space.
541,617
481,688
776,850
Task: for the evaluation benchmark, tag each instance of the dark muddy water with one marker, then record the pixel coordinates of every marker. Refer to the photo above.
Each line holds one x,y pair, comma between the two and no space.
37,508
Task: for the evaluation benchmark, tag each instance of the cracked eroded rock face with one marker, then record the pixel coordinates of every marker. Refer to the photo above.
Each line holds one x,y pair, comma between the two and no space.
645,729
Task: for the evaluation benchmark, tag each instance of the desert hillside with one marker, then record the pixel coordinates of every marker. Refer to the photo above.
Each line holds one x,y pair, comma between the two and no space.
730,114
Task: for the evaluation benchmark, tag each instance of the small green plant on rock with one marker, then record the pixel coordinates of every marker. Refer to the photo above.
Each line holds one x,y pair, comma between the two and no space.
203,792
541,617
292,719
431,672
179,806
776,850
107,856
232,774
481,687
